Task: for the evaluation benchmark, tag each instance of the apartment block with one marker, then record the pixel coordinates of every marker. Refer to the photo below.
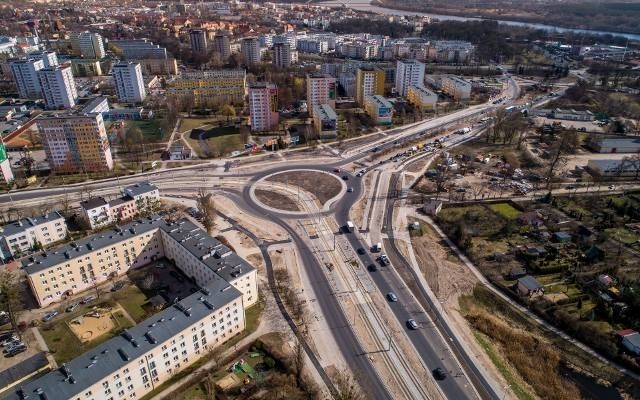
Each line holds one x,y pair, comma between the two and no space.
129,83
321,89
85,67
456,87
49,58
325,121
250,48
26,234
263,107
379,109
136,49
98,212
58,87
369,82
88,45
408,73
198,40
75,143
422,97
25,75
221,45
158,66
282,55
141,358
221,86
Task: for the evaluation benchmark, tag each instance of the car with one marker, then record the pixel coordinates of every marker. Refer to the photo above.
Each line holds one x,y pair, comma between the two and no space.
87,299
337,170
384,260
350,190
49,316
11,345
17,350
345,177
373,267
412,324
359,174
611,187
9,340
72,307
361,251
117,286
392,297
6,335
439,374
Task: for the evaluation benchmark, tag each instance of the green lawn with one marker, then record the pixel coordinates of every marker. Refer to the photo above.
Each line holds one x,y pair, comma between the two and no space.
188,124
131,299
623,235
151,130
223,141
570,290
506,210
514,381
65,346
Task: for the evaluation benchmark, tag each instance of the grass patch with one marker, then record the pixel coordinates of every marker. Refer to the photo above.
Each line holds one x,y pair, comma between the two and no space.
188,124
131,299
216,142
623,235
64,344
499,362
151,130
506,210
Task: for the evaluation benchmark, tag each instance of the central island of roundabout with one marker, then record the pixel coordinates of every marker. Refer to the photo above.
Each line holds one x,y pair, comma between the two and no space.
298,193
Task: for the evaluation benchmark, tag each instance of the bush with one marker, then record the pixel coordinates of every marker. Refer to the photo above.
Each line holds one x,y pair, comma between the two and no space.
269,362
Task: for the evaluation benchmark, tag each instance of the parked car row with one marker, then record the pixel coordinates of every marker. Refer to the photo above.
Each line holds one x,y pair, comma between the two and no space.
12,344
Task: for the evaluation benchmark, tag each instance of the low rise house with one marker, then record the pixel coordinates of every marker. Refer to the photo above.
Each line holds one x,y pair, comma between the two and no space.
528,286
97,212
29,234
379,109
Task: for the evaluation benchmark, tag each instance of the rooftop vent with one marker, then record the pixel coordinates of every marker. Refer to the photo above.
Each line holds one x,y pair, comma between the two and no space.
205,291
124,355
151,338
207,304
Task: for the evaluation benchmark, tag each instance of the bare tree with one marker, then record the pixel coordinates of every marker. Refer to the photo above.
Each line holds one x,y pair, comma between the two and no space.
10,296
298,362
565,145
207,209
210,387
347,387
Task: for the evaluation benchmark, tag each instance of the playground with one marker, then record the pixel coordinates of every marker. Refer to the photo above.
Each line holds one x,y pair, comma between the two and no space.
94,323
242,372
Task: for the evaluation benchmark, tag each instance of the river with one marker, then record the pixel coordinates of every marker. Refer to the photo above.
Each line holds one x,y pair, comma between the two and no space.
364,5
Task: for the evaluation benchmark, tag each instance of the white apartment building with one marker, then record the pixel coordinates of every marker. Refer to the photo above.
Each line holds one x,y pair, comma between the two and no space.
141,358
250,48
95,213
58,87
129,83
25,234
136,49
263,107
88,45
25,75
408,73
321,89
456,87
49,58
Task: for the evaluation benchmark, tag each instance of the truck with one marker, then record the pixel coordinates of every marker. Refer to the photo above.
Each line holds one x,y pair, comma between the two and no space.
350,226
376,247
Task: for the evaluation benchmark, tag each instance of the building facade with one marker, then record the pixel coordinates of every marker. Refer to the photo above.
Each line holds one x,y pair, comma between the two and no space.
250,48
25,75
456,87
75,143
263,107
28,234
136,49
282,55
198,40
129,83
49,58
321,89
379,109
58,87
408,73
84,67
369,82
221,86
221,45
158,66
422,97
88,45
325,121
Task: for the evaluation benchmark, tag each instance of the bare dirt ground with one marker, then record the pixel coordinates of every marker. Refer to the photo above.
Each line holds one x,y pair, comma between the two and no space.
262,228
276,200
323,186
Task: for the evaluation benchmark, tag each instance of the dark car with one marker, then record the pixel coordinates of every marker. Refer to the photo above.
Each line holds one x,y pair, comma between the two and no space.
117,286
373,267
345,177
16,350
49,316
384,260
439,374
361,251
